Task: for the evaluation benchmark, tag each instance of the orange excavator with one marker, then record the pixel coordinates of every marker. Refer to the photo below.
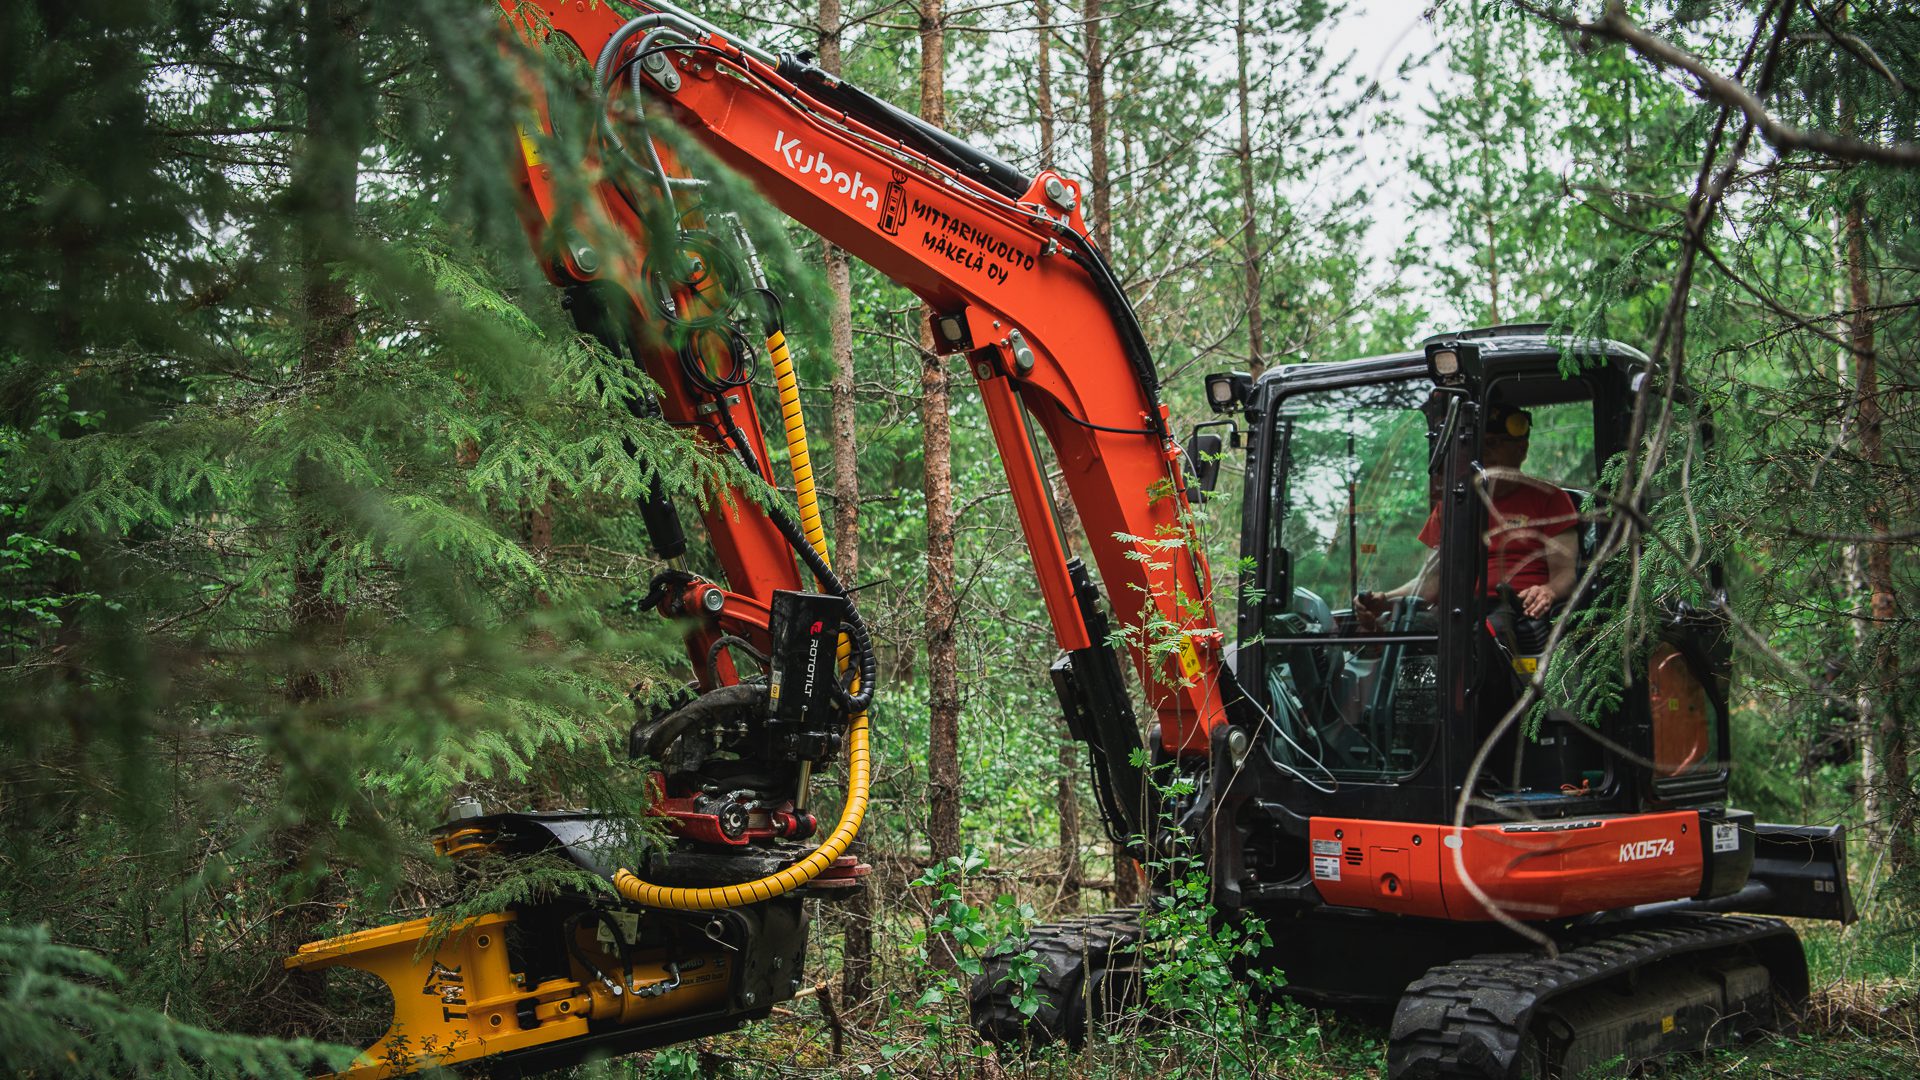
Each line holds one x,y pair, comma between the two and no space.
1356,773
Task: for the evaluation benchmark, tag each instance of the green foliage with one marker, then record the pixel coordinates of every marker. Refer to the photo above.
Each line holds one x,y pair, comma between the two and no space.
315,514
930,1031
65,1017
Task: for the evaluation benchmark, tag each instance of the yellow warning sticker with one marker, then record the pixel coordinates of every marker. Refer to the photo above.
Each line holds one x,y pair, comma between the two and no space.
1666,1025
527,148
1189,658
1526,665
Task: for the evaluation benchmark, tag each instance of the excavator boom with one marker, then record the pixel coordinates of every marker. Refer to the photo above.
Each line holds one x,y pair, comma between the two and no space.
1015,283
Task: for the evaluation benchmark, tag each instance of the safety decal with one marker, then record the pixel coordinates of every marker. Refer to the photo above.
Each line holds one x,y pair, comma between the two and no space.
1726,837
893,213
1189,659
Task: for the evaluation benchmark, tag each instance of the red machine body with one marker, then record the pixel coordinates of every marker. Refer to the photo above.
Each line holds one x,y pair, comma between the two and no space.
1529,870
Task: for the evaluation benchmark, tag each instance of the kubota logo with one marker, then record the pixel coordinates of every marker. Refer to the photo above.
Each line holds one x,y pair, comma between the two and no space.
1645,849
815,164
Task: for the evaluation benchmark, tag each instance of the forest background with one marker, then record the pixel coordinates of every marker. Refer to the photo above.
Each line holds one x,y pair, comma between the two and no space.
317,516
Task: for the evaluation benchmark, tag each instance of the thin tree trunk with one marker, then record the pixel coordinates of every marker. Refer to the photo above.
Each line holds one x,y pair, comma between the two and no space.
1249,208
1043,80
1094,46
1493,265
856,968
943,676
326,174
1066,800
1895,786
1125,877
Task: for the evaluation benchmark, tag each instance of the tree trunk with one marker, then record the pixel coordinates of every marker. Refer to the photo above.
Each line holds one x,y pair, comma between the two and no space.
1043,80
1249,207
856,967
1125,878
1895,815
1094,45
943,677
1066,799
326,174
1493,265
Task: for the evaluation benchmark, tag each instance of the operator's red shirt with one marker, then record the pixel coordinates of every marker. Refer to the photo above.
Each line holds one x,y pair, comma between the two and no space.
1522,516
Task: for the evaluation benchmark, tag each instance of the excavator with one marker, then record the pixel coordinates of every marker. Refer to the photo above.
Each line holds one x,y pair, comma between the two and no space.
1533,892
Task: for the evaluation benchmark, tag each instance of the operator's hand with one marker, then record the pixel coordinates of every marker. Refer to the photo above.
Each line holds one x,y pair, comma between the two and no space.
1367,610
1536,600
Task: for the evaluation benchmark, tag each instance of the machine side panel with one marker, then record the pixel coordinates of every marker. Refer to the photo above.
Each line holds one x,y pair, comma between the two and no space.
1529,871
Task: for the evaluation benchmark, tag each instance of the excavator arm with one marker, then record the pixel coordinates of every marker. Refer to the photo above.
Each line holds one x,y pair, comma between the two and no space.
1016,284
711,932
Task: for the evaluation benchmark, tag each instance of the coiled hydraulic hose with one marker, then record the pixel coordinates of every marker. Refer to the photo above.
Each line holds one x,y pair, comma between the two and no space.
859,760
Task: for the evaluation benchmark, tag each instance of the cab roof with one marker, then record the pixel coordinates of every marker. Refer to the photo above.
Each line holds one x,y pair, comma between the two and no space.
1512,343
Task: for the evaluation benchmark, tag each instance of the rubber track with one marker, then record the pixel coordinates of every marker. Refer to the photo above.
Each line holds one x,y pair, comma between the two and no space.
1469,1018
1087,964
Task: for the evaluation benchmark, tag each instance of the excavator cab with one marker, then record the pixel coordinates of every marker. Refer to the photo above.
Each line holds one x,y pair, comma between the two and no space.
1401,524
1387,758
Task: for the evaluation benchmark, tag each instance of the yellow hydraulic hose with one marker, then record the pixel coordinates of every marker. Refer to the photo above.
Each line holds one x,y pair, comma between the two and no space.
859,762
797,455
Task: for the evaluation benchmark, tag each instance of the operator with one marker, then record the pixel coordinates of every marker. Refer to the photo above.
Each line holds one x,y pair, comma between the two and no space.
1530,533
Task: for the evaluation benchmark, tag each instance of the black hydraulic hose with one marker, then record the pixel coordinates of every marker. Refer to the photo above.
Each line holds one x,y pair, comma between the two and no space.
942,146
741,374
725,641
1132,338
572,926
970,161
822,573
705,709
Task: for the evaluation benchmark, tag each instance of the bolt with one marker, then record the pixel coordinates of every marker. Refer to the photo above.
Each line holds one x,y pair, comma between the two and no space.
1059,193
749,999
713,600
657,66
586,259
1238,744
1022,354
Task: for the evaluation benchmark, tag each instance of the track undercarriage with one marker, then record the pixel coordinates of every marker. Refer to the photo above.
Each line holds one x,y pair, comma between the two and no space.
1612,994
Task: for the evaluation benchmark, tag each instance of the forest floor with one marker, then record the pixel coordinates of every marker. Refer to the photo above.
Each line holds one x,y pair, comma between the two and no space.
1863,1021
